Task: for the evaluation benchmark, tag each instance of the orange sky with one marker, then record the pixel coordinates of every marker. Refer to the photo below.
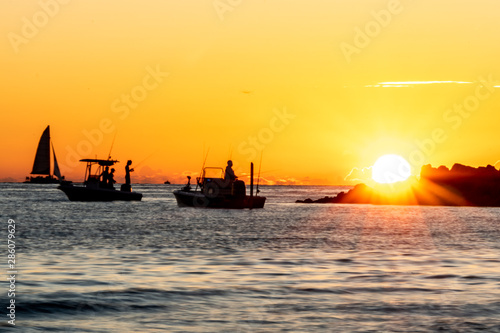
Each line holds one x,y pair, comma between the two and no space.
298,80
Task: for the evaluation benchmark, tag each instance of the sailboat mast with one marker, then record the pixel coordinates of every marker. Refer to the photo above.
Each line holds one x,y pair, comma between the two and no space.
50,141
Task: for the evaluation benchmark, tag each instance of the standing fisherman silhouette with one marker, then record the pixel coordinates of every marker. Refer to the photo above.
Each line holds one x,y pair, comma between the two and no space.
128,171
126,187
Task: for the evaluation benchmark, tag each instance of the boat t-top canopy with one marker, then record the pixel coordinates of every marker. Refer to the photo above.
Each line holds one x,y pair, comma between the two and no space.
94,177
100,162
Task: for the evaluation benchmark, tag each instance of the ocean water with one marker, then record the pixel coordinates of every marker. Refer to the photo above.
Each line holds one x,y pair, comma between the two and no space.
153,267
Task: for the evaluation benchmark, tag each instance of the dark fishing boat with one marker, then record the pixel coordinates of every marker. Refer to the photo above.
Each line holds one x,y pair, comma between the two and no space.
217,192
93,189
41,172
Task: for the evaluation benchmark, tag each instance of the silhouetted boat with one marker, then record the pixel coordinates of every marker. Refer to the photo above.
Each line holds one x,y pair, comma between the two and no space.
41,165
94,190
166,182
216,192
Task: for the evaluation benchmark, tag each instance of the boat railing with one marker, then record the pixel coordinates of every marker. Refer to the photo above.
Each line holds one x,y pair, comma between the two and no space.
209,175
92,181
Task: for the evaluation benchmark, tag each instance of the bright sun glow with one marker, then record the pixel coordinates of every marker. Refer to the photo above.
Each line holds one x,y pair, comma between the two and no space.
390,169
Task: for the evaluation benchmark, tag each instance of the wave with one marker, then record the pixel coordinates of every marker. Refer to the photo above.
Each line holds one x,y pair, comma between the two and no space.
60,303
152,299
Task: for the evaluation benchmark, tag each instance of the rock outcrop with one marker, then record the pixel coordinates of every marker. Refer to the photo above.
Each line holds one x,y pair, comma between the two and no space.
459,186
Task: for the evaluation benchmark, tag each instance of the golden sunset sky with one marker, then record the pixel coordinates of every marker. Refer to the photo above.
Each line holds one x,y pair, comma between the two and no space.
320,87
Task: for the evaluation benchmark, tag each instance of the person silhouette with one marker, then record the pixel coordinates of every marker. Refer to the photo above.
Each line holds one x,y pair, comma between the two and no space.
188,185
104,177
111,179
128,171
229,175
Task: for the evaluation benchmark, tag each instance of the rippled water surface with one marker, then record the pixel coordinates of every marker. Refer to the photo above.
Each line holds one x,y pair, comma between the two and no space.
153,267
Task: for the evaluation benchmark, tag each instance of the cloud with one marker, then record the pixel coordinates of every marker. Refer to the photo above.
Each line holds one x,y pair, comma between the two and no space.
272,180
359,174
147,175
404,84
287,181
9,180
399,84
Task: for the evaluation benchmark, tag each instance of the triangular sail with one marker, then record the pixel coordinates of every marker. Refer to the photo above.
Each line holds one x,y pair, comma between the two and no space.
41,166
57,172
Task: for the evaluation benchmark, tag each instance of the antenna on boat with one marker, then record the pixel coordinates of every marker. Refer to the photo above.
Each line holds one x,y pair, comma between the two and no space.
110,149
258,177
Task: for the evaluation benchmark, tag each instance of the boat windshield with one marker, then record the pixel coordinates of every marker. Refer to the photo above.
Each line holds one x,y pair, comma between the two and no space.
213,172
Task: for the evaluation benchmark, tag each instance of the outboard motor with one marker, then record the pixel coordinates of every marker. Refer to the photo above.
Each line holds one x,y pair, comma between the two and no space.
126,188
187,188
239,189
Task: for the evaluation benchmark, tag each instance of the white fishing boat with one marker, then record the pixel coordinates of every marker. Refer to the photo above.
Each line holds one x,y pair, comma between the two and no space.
41,172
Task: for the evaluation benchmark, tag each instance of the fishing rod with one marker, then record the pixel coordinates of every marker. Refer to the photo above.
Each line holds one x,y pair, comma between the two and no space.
202,167
135,166
112,144
258,177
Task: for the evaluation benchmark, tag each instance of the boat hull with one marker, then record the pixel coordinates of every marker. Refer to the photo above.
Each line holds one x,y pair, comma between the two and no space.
199,200
81,193
42,180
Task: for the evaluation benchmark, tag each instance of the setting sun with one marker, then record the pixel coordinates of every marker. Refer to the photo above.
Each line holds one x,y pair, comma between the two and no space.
390,169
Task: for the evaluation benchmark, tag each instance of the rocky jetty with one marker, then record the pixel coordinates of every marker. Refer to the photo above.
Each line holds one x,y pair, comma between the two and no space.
459,186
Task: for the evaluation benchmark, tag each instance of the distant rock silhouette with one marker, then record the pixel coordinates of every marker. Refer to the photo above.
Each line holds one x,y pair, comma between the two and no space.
460,186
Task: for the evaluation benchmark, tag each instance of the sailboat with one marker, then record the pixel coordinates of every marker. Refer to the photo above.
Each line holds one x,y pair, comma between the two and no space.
41,167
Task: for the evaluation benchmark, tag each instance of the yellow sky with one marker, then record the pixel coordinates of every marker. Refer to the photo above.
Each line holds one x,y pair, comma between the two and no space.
298,80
